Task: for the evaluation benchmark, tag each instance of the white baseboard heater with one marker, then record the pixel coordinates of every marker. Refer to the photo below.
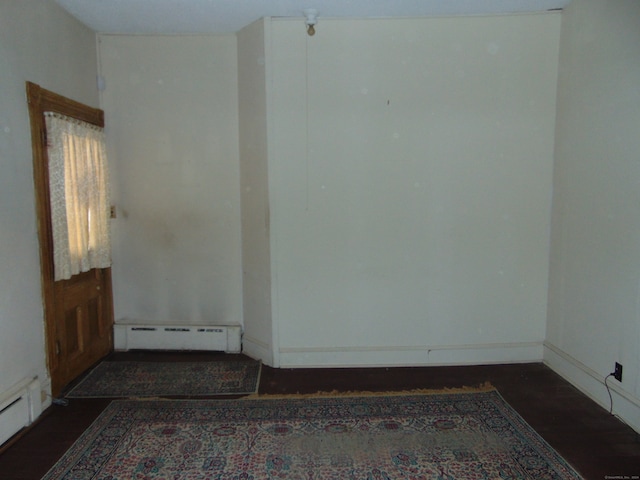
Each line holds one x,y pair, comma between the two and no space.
224,338
19,407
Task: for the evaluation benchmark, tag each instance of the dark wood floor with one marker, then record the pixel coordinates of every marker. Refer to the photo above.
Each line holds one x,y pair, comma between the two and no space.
594,442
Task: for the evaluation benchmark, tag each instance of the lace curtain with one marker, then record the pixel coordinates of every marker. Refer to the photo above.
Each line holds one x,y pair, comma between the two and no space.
78,187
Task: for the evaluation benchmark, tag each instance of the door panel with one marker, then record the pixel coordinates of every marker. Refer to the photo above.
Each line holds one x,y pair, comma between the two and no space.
83,325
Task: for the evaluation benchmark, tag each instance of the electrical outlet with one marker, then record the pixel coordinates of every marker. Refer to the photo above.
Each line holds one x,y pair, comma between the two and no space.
617,372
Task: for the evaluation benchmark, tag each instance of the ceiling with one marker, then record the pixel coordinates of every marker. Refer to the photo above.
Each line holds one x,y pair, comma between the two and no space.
227,16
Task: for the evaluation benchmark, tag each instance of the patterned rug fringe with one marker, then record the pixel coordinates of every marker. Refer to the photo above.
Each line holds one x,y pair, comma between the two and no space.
483,387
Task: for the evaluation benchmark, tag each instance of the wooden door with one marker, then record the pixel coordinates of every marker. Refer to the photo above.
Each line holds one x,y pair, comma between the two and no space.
78,311
83,322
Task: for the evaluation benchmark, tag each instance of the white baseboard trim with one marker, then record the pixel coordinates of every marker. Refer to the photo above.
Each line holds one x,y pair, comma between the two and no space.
589,382
20,406
411,356
257,350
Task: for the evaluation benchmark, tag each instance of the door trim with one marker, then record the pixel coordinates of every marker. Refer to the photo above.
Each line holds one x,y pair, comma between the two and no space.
39,101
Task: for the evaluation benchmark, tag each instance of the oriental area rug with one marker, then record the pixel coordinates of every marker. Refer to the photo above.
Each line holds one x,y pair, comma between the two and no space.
166,379
444,436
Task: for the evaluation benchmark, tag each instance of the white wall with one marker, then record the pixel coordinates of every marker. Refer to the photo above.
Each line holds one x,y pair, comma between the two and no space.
594,289
171,109
254,191
410,175
41,43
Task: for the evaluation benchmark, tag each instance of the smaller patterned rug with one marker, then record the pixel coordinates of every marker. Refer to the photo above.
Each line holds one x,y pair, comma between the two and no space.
450,436
169,379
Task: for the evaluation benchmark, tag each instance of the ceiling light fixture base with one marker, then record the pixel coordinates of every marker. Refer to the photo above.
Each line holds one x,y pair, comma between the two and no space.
311,19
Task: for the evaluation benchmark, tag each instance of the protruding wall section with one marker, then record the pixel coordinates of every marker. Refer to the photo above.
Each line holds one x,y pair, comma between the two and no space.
253,85
409,173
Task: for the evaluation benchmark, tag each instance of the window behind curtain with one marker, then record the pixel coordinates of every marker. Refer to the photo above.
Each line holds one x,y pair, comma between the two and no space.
79,195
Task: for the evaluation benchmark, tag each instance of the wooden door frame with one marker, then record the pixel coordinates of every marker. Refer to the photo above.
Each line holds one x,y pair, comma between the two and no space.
40,101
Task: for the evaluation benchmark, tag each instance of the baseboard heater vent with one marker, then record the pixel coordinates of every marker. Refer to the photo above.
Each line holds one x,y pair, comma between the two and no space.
224,338
19,407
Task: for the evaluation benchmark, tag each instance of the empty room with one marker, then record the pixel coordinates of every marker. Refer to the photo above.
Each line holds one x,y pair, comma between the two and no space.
421,197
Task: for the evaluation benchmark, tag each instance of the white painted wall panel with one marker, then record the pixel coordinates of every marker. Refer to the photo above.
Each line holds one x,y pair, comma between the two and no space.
172,137
594,289
411,175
